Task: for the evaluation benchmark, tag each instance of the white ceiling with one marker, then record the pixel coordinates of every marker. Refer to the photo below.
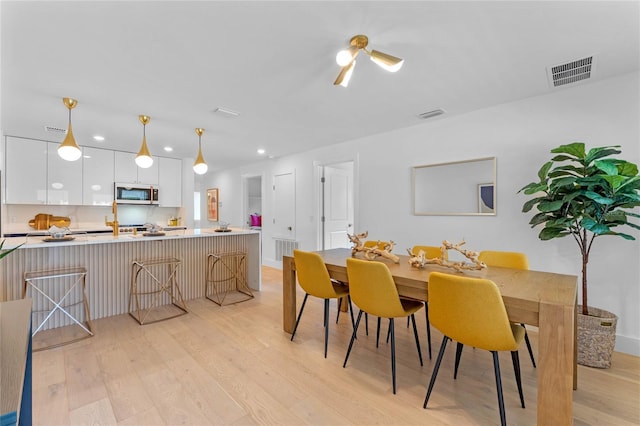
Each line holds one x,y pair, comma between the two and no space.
274,62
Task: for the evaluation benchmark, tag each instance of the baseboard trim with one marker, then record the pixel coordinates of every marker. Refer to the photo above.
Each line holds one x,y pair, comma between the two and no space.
628,345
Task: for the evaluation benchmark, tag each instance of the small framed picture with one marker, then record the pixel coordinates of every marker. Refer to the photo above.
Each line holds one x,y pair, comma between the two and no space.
486,198
212,204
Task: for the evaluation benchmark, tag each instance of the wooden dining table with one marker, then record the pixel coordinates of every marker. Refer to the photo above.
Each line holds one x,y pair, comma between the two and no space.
542,299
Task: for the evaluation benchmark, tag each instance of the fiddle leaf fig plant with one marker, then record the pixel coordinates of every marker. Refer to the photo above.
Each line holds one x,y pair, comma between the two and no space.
584,194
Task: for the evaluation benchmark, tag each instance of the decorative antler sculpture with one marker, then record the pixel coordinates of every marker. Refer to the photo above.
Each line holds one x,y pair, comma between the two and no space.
419,260
371,253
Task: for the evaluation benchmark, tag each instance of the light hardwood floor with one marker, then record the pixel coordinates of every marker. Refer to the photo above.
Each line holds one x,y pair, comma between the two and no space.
234,365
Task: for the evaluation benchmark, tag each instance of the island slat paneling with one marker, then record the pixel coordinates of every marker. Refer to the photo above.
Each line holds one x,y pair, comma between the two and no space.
109,268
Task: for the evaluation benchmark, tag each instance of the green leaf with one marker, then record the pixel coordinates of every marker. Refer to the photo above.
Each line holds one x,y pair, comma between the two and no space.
607,166
575,149
538,219
627,169
538,187
595,227
542,173
529,204
600,152
550,233
598,198
550,206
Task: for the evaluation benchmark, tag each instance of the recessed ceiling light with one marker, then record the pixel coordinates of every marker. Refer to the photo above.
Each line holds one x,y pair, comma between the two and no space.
261,151
168,148
98,138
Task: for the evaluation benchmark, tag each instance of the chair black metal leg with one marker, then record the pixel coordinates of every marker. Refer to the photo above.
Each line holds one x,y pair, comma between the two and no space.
388,334
516,369
366,323
458,355
407,322
299,315
339,306
326,325
526,340
436,367
393,354
353,323
378,333
353,337
496,368
415,333
426,311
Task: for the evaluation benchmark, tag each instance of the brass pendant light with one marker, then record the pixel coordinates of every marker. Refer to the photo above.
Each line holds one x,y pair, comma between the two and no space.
143,159
347,59
200,166
68,149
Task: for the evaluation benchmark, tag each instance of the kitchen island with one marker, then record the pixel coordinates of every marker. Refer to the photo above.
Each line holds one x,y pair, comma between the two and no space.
108,261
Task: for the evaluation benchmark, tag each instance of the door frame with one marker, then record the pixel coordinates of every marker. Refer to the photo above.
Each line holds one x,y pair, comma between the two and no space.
319,196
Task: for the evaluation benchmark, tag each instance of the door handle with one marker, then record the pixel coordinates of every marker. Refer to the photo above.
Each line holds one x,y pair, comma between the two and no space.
289,228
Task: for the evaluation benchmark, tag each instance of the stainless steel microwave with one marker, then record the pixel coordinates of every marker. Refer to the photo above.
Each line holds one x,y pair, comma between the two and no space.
135,193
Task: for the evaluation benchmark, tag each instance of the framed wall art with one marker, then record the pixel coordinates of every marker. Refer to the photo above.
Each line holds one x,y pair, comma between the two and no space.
212,204
486,198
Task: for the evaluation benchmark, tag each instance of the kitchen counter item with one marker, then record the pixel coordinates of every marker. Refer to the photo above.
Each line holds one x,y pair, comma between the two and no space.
222,230
153,234
55,240
43,221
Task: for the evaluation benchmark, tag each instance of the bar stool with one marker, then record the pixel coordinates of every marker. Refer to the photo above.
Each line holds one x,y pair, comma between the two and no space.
61,291
148,284
226,276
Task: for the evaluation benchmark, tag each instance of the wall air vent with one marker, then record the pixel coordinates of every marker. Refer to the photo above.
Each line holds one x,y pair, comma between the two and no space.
56,130
431,114
571,72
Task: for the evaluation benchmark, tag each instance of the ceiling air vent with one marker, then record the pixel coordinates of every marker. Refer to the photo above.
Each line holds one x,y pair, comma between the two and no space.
56,130
430,114
571,72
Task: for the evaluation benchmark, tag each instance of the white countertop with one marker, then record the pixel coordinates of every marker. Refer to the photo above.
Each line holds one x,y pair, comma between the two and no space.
38,241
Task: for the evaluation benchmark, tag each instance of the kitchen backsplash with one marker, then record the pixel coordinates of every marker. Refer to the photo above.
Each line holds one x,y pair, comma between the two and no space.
17,216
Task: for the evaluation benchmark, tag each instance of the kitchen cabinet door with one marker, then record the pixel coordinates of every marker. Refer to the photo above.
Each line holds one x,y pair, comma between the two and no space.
170,183
97,176
26,171
127,171
64,178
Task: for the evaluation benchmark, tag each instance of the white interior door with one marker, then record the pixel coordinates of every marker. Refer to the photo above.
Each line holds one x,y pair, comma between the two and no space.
337,204
285,206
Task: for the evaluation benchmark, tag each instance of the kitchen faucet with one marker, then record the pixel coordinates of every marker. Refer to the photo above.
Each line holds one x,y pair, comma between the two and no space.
114,223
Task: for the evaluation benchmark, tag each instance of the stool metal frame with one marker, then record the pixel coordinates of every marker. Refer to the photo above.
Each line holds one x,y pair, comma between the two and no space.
169,286
226,272
31,280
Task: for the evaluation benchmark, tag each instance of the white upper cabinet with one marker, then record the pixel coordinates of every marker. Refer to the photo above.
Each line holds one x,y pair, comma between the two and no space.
170,184
126,170
97,176
26,171
64,178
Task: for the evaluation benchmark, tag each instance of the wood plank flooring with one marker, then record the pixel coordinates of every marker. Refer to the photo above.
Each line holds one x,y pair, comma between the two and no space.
234,365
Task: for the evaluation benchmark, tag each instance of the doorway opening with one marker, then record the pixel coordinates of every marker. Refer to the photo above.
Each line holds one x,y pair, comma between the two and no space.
252,215
336,206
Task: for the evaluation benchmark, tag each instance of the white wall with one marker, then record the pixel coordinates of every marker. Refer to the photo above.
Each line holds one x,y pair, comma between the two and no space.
520,135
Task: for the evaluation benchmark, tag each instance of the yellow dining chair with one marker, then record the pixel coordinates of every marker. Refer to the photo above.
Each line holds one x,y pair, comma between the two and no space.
514,260
471,311
373,290
314,279
379,245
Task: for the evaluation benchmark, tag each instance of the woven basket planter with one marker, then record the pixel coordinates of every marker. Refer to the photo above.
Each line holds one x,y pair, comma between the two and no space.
596,337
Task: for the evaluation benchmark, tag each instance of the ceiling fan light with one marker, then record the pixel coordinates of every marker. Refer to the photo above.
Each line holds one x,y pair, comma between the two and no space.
344,57
386,61
345,75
